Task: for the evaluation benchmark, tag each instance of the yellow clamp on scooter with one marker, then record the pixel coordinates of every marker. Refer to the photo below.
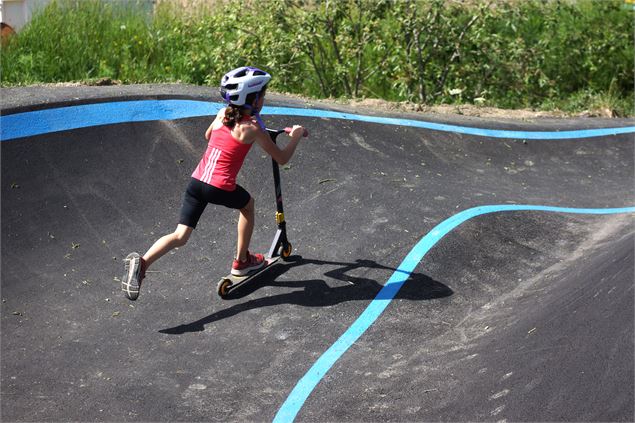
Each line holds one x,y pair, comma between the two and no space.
279,217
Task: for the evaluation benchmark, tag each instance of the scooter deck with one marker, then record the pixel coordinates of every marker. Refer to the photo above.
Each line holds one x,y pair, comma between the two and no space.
230,282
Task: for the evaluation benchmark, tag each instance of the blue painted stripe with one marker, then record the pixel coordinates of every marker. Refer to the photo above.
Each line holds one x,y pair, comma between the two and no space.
41,122
20,125
492,133
309,381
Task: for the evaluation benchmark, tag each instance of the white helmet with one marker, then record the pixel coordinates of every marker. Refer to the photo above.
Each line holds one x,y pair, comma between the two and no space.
238,83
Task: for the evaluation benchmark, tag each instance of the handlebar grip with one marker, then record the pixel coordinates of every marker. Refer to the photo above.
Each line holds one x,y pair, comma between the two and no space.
288,131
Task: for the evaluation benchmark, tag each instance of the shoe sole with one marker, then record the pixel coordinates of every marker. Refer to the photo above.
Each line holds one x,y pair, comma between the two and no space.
130,280
247,271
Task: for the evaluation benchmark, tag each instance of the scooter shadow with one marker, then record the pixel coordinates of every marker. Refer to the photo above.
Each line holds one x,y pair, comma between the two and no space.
316,292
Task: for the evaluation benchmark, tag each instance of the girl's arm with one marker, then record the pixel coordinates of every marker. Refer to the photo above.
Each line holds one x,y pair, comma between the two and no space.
219,118
280,155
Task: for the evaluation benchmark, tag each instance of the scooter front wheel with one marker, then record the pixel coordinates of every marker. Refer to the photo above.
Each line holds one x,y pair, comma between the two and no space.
285,250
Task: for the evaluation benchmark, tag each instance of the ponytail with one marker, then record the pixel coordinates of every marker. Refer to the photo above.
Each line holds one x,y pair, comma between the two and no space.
233,115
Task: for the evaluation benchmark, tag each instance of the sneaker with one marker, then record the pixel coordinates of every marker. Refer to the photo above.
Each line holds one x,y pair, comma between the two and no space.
253,262
134,272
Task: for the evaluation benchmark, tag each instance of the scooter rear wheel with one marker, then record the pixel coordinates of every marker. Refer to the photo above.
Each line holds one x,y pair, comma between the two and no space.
223,287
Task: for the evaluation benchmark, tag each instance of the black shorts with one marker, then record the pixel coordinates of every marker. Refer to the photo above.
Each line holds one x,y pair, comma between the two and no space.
199,194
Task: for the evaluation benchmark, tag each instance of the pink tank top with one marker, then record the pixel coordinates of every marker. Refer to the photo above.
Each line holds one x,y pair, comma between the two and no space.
222,160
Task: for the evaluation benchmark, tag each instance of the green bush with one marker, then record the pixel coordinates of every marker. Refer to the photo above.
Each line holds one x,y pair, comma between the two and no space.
572,55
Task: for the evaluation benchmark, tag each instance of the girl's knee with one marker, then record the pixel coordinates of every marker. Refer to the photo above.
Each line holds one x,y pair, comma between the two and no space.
182,235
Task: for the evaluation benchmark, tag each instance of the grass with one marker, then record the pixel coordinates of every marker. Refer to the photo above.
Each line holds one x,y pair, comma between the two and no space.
546,56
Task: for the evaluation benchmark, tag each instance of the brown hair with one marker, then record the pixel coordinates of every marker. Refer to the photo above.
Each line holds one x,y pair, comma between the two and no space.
234,114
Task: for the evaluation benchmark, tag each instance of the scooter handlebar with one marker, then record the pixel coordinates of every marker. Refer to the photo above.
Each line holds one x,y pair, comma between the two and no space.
305,134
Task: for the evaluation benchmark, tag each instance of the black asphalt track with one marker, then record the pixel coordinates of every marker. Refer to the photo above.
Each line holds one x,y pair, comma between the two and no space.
517,316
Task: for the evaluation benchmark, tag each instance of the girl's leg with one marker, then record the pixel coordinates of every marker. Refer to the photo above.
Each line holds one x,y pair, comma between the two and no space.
135,267
245,229
178,238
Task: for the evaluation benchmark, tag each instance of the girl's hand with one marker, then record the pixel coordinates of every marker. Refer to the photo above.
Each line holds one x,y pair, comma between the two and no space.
297,132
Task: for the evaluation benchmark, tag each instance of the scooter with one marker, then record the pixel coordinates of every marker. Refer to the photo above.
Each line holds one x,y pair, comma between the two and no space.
280,247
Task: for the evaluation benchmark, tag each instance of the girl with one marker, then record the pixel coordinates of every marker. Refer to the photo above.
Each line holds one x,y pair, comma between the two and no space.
236,128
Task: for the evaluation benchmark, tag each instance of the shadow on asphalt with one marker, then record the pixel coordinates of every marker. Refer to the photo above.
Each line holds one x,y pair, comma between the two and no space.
316,292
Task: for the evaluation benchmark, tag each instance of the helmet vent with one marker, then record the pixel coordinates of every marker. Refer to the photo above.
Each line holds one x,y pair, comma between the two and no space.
239,83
